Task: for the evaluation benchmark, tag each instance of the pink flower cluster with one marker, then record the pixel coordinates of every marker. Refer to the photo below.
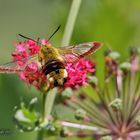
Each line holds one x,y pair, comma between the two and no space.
23,51
77,73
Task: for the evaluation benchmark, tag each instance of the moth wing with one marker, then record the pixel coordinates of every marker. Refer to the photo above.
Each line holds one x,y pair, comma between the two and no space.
15,66
71,54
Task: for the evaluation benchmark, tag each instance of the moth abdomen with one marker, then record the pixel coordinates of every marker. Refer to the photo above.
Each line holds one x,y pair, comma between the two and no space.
55,72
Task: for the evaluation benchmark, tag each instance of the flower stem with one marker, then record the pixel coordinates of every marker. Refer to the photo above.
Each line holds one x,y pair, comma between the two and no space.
71,22
48,104
80,126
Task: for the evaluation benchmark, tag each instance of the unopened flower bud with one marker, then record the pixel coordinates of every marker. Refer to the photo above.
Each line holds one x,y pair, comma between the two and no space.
114,55
93,80
116,104
64,132
126,66
133,50
67,93
80,114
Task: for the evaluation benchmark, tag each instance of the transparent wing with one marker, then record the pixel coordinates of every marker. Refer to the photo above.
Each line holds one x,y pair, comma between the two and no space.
15,66
73,53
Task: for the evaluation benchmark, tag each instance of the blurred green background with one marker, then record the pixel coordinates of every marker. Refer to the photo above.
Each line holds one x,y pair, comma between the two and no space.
113,22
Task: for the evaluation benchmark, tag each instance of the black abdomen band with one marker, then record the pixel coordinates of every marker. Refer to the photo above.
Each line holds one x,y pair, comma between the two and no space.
52,65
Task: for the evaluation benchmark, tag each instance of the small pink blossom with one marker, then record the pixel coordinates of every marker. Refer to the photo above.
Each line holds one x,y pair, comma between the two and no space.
34,49
44,42
31,43
23,50
20,48
77,73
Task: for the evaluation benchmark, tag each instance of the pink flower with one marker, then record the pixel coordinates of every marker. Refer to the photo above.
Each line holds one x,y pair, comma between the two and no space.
44,41
31,73
20,48
77,73
31,43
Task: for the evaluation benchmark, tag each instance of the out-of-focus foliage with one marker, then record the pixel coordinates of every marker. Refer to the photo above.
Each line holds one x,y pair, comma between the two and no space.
115,23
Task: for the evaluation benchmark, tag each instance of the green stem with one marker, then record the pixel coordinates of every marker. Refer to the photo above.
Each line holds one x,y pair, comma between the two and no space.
49,98
71,22
48,104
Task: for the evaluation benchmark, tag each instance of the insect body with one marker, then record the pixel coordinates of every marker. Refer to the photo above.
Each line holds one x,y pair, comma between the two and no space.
51,63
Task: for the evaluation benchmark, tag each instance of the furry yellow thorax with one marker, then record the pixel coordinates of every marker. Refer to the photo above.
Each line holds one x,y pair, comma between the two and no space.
47,53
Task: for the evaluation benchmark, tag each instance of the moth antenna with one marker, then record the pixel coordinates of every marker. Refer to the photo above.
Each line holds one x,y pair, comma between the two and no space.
54,32
38,39
27,37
